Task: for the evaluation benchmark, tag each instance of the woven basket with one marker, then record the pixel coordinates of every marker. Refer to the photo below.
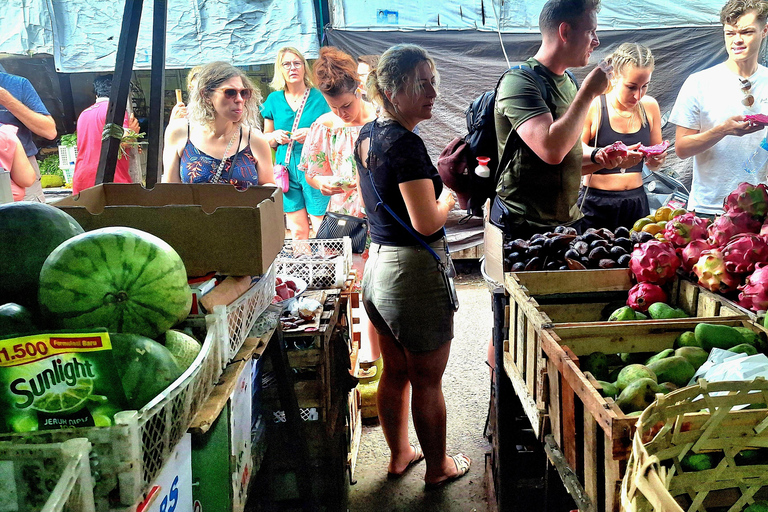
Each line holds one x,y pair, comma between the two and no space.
704,418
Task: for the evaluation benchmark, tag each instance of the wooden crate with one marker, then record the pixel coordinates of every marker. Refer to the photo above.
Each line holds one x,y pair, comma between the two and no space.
595,435
544,300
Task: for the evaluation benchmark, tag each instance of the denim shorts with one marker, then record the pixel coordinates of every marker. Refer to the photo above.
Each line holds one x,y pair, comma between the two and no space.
405,296
301,195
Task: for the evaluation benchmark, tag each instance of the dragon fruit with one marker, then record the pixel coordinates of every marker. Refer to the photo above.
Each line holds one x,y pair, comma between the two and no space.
654,262
642,295
754,292
690,254
729,224
752,199
764,229
684,228
712,274
743,252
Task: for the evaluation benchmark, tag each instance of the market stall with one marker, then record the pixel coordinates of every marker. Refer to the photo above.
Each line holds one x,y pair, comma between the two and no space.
581,353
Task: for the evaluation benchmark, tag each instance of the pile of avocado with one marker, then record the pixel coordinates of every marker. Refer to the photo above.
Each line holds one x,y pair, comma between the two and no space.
633,380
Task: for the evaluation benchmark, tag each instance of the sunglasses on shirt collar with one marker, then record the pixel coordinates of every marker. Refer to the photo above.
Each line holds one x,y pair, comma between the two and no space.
748,100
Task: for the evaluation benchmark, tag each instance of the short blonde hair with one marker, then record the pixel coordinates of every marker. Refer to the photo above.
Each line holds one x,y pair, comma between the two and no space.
395,71
209,79
278,79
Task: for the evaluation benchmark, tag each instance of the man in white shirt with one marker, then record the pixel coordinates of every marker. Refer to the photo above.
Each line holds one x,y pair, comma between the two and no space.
710,109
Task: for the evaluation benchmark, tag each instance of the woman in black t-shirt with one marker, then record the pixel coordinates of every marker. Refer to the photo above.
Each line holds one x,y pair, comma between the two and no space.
404,293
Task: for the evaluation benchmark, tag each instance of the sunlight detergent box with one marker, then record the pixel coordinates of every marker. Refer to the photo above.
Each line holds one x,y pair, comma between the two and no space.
58,380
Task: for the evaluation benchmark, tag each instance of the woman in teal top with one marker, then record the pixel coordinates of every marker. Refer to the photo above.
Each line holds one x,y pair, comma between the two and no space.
291,82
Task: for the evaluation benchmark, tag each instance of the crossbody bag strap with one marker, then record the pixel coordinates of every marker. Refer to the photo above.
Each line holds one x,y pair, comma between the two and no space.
396,217
296,120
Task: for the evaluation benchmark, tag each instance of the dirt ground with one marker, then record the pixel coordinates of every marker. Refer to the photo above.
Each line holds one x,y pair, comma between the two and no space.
466,388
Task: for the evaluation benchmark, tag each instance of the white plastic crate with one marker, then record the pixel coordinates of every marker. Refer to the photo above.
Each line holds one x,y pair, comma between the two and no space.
322,263
127,457
67,158
46,477
243,311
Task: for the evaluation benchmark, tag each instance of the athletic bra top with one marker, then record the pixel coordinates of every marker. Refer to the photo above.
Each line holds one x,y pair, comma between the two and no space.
239,169
606,136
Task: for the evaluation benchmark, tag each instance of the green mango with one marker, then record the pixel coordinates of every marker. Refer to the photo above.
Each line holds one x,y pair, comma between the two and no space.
640,316
608,389
758,340
711,336
758,506
662,311
697,356
638,395
687,339
750,457
595,363
668,387
633,372
661,355
744,348
622,314
698,461
675,369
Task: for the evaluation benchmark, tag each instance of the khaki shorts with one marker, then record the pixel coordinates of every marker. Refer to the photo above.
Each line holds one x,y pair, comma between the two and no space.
405,296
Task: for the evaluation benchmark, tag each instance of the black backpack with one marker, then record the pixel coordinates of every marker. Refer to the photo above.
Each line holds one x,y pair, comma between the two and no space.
480,140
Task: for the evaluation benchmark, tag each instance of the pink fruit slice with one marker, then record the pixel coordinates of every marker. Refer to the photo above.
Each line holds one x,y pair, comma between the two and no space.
654,150
757,118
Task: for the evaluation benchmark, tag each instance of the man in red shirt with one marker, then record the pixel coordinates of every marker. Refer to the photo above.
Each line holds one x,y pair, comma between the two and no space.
90,126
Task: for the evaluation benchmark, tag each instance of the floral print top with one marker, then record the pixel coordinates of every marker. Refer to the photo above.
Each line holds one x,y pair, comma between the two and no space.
330,152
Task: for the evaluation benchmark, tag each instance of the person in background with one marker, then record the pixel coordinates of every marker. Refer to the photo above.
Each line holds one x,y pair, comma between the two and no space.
404,291
711,105
180,109
327,159
216,143
292,83
610,198
21,106
90,125
541,155
365,63
14,160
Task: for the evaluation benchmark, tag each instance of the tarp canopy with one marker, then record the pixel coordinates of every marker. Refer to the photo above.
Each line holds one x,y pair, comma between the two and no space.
82,35
516,16
462,37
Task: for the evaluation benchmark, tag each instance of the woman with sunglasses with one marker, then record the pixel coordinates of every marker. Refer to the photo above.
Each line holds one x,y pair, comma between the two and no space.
216,144
404,291
327,159
293,90
610,198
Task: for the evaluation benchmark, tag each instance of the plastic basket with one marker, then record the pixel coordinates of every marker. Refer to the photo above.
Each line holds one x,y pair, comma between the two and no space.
46,477
127,457
702,419
321,263
67,157
243,311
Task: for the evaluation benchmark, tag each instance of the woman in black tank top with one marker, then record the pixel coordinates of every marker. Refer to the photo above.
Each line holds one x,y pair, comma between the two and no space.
615,197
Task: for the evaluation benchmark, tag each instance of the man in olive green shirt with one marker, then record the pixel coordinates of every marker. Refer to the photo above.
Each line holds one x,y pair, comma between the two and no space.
541,158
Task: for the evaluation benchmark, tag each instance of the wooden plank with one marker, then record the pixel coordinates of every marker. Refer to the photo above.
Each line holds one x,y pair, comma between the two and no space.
469,253
531,352
555,406
216,401
569,478
613,475
568,418
592,462
518,384
569,281
568,313
520,342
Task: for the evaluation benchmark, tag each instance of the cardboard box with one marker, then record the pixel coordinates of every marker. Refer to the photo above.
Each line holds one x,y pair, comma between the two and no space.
494,252
213,227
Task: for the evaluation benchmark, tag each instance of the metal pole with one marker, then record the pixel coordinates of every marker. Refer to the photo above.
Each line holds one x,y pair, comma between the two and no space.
121,81
157,94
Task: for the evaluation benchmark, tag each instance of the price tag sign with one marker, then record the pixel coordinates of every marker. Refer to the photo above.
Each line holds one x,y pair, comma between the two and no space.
172,490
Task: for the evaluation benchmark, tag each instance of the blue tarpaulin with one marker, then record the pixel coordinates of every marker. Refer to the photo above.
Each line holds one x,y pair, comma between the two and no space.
82,35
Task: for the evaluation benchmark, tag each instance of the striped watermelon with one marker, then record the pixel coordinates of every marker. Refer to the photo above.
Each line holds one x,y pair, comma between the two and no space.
118,278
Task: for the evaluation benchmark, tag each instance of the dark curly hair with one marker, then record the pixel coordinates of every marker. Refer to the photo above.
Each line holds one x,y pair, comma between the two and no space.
735,9
335,72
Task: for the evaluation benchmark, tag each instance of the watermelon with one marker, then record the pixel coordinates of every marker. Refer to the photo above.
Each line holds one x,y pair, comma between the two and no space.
118,278
15,319
29,233
654,150
183,347
145,367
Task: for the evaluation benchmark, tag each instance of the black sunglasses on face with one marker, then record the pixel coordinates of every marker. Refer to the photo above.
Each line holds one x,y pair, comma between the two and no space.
232,93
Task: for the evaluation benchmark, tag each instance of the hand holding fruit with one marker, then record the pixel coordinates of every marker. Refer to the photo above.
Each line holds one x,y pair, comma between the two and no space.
738,126
329,185
656,161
